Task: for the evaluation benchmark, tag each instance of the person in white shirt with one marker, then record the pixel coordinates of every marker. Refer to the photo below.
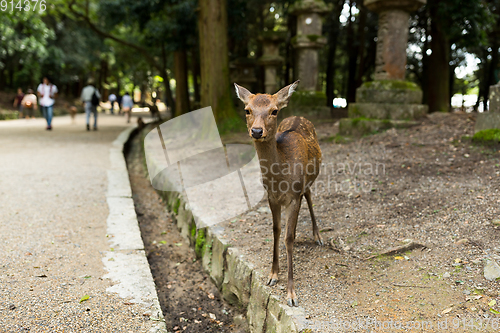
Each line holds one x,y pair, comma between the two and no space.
47,93
90,102
112,100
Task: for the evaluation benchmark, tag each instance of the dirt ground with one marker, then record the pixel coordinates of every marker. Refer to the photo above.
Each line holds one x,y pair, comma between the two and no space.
190,301
424,184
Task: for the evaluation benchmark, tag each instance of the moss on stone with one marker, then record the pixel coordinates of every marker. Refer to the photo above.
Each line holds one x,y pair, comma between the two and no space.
176,206
391,85
307,98
200,243
487,137
313,38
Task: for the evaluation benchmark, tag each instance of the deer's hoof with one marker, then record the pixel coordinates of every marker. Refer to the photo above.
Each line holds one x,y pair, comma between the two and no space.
320,242
292,302
272,282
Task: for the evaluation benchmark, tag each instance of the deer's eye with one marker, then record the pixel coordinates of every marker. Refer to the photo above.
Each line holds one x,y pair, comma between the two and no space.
247,111
274,113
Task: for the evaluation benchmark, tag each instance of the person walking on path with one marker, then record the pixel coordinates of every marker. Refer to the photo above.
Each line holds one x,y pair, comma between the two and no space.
29,104
90,99
112,100
47,93
127,104
18,100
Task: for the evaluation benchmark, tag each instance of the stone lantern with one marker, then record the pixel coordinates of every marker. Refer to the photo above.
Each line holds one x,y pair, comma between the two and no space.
389,101
308,41
271,60
242,71
491,118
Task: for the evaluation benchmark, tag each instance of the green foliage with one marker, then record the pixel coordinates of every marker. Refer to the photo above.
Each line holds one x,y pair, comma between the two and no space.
24,37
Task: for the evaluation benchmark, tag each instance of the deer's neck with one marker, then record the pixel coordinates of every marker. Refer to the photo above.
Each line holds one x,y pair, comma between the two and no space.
268,156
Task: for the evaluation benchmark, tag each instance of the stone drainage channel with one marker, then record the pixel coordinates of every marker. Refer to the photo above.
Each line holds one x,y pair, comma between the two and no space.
189,299
197,272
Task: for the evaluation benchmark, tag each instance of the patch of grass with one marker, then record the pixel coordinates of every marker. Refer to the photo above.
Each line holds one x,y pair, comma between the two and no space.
338,139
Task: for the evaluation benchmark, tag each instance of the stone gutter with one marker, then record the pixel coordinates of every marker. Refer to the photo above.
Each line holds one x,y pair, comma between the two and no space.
237,279
126,263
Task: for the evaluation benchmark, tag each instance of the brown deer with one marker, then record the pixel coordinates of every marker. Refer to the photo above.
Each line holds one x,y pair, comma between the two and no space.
290,160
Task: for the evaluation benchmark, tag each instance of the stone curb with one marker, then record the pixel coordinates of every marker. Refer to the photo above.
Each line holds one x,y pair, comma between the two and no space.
126,263
240,284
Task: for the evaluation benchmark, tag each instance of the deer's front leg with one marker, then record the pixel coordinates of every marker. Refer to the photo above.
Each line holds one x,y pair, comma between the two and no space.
276,211
289,240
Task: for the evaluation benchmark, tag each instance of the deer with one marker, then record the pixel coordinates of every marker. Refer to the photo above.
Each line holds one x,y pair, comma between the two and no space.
290,160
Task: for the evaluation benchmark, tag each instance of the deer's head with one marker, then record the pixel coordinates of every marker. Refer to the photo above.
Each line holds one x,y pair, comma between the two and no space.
262,110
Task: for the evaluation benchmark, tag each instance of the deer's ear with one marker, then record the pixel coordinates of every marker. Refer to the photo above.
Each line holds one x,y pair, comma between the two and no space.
243,93
283,96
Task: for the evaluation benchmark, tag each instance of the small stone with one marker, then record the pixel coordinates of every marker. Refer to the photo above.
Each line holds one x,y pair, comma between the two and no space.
491,270
496,223
264,210
466,292
12,307
446,275
377,294
463,241
466,155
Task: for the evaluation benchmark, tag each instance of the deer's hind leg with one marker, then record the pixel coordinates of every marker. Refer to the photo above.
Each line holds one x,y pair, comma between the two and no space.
317,237
291,226
276,211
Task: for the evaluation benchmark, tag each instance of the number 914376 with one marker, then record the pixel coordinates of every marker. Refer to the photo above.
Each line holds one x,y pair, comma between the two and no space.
23,5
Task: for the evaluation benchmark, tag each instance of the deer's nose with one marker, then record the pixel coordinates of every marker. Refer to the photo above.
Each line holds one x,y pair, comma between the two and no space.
257,133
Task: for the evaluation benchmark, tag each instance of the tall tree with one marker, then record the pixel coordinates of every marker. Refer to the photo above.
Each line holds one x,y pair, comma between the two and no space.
214,61
333,27
463,23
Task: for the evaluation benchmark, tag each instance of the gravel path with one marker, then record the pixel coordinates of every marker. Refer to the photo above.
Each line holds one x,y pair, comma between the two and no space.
424,184
53,214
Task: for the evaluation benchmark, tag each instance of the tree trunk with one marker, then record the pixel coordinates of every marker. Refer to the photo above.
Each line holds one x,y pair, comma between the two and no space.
361,47
214,60
333,35
439,68
352,53
195,68
181,83
491,73
290,54
2,79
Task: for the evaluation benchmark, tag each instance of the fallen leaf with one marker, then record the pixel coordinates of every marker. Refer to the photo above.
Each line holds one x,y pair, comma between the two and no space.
84,298
178,244
492,302
399,258
494,311
163,242
445,311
